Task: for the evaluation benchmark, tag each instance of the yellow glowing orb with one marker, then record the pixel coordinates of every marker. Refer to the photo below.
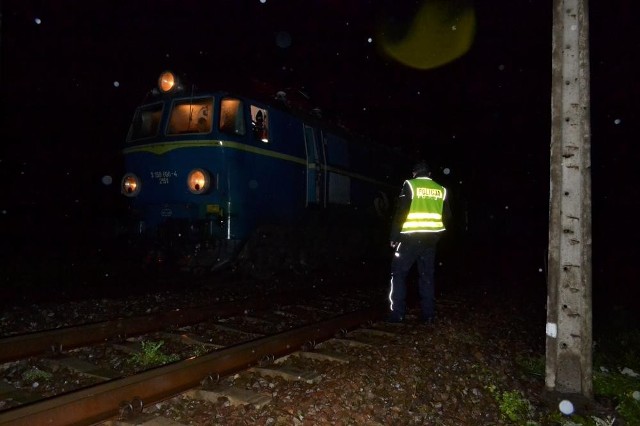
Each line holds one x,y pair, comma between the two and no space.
438,35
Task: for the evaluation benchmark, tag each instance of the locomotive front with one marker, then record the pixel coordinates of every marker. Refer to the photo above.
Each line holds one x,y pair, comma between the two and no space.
176,179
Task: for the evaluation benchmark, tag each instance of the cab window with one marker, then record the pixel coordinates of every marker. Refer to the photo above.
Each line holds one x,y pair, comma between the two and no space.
146,122
232,116
260,124
191,116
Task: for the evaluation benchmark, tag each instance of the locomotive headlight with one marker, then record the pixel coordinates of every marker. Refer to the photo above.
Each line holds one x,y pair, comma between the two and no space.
130,185
167,81
198,181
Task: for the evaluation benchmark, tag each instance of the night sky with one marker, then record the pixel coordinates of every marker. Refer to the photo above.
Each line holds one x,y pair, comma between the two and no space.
73,72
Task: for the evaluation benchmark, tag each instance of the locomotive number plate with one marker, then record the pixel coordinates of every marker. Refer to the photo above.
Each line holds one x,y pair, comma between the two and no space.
163,176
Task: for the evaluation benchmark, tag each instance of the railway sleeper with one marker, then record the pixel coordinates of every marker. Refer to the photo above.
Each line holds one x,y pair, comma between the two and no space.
290,374
349,342
320,356
235,395
144,419
82,367
9,392
236,330
130,346
190,339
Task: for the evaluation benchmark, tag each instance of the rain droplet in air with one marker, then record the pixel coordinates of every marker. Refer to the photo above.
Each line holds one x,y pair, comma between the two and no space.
566,407
283,39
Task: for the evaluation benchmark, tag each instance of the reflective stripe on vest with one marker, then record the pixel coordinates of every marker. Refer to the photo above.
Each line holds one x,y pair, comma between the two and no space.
427,202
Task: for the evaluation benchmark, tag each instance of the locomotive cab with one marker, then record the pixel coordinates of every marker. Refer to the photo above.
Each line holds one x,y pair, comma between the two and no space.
185,155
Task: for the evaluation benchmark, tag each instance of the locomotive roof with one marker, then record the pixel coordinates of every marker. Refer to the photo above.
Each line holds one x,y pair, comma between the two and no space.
290,100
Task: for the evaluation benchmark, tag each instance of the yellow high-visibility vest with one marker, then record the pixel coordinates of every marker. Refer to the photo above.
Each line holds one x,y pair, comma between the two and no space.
427,204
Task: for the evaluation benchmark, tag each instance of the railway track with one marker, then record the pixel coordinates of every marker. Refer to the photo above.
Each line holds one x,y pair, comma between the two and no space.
22,346
230,337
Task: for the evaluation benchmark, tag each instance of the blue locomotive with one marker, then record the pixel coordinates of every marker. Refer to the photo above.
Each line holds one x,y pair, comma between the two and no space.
215,178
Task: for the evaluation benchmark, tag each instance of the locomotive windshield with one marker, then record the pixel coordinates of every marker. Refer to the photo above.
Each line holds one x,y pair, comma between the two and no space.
195,116
231,116
146,122
191,116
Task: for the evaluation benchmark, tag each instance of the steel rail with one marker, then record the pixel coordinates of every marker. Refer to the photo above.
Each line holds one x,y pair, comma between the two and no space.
38,343
101,402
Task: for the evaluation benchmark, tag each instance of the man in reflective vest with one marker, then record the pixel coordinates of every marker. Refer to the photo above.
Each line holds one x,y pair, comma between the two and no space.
421,214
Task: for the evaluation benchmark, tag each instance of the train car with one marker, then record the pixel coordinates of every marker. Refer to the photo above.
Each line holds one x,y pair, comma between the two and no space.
215,178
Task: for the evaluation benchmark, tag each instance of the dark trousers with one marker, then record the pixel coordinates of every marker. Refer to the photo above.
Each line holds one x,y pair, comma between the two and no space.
412,249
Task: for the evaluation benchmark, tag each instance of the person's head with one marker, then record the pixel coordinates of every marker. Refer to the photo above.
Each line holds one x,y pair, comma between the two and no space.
421,168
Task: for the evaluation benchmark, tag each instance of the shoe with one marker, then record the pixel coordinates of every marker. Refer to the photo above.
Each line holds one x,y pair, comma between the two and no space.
394,319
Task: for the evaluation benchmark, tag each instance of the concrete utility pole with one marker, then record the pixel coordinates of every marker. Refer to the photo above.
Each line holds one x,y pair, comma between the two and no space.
569,313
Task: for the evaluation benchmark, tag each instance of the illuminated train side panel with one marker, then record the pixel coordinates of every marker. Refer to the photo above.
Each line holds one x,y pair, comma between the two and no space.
212,167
